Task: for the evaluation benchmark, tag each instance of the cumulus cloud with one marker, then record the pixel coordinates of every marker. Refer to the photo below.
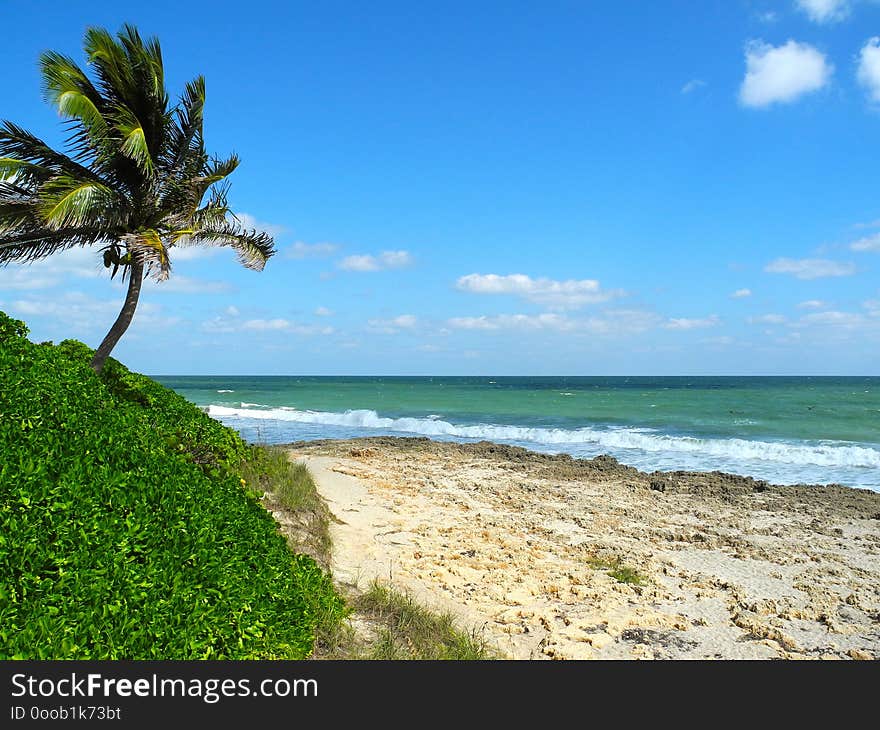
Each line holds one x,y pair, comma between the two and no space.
846,320
813,304
20,277
692,86
266,324
385,260
810,268
569,294
622,321
301,250
741,294
782,74
513,321
824,11
394,325
177,284
78,262
686,323
868,243
868,72
284,325
80,311
230,321
323,312
768,319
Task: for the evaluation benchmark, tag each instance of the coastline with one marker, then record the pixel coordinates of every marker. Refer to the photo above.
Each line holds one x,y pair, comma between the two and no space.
552,557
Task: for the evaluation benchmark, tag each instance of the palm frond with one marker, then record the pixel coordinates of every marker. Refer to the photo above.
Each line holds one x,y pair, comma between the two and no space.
254,248
66,202
17,143
107,57
134,140
70,90
39,243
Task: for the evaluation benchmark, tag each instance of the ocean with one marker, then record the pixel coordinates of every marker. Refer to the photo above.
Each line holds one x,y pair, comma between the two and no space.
787,430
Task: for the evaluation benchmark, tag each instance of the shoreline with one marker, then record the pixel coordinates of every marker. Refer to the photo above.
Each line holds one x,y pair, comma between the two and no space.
553,557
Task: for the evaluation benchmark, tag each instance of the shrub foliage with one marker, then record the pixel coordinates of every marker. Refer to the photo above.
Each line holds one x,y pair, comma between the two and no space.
125,531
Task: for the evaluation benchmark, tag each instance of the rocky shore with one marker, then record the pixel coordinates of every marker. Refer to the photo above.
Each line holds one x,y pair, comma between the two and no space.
551,557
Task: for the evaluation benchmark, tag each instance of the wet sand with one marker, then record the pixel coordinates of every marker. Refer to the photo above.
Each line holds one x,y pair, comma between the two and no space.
558,558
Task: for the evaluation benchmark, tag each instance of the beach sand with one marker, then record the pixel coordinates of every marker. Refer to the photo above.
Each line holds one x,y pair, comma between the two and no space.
523,548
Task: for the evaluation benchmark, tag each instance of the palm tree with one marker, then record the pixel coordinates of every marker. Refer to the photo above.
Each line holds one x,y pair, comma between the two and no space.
136,180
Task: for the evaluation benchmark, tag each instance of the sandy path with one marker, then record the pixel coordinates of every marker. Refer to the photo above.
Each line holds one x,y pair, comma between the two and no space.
519,550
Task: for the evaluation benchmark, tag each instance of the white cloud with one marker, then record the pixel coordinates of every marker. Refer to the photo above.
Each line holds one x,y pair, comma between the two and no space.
692,86
283,325
824,11
266,324
869,68
768,17
385,260
810,268
722,340
22,278
768,319
323,312
395,259
221,324
869,224
868,243
405,320
83,262
513,321
177,284
873,307
551,293
846,320
685,323
782,74
741,293
81,311
232,311
611,322
394,325
813,304
300,250
360,263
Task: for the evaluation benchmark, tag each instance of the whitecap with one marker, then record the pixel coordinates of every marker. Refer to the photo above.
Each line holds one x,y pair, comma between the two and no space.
818,453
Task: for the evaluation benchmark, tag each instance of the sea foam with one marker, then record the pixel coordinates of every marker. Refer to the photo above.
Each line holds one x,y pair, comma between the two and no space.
815,453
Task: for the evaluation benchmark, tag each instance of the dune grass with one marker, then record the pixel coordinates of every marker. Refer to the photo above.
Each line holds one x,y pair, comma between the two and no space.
406,629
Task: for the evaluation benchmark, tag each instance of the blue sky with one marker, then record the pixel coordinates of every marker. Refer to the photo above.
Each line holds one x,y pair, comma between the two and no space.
502,188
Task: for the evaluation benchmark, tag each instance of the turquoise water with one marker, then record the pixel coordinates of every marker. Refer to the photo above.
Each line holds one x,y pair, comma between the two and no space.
784,429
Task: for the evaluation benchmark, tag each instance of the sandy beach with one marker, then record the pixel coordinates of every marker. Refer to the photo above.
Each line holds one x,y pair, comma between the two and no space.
551,557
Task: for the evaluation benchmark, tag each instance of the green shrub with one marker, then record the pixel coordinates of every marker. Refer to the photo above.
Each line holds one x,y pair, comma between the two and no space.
124,528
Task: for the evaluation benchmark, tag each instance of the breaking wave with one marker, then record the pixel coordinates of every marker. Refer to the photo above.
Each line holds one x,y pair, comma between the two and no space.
815,453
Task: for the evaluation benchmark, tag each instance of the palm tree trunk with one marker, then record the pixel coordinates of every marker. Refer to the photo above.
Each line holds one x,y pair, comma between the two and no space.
135,279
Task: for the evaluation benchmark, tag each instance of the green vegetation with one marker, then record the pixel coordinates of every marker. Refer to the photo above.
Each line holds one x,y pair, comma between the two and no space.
136,176
617,570
406,630
125,529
